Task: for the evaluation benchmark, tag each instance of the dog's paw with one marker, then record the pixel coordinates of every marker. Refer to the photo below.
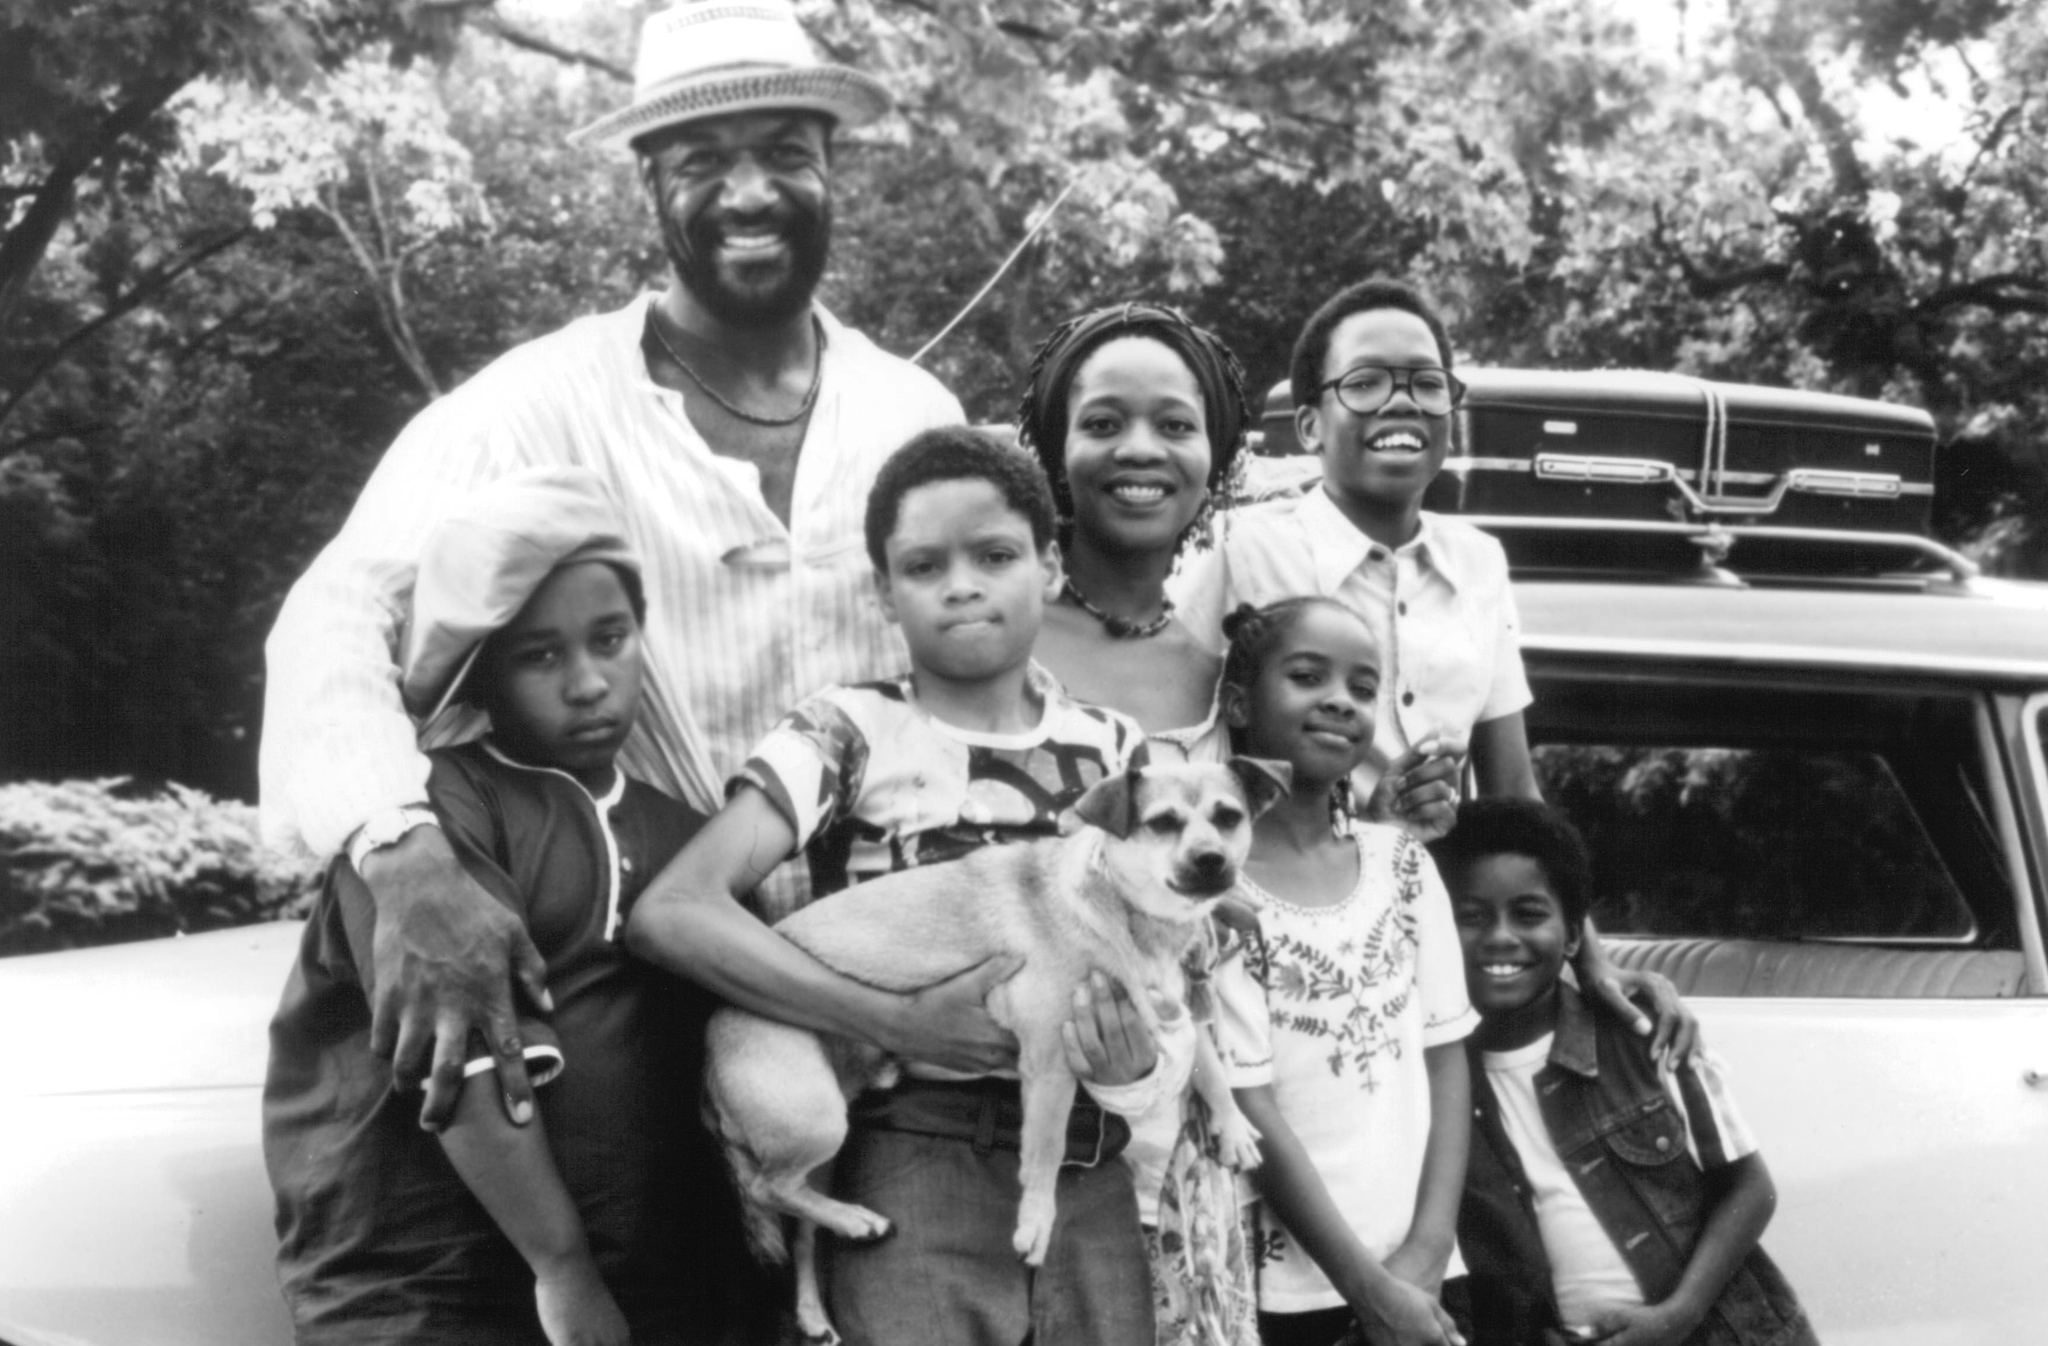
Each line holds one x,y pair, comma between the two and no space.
867,1226
856,1224
1034,1233
1237,1143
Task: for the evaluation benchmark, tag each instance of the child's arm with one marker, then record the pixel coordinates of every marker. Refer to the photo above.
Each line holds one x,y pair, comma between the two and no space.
1426,1252
1391,1311
512,1173
1741,1198
691,921
1500,758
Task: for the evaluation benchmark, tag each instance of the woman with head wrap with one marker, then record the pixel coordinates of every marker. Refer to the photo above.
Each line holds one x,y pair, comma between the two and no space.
1138,416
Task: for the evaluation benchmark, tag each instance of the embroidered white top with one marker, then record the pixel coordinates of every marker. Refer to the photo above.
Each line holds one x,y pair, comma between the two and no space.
1439,608
1333,1007
746,616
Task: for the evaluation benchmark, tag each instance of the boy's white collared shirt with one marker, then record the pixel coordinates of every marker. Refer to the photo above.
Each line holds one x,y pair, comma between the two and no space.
1439,607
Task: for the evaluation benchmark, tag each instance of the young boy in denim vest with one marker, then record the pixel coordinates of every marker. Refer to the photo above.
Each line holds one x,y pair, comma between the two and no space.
974,747
611,1213
1606,1199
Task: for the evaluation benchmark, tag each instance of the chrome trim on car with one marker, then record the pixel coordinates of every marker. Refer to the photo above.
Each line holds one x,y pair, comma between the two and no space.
1776,655
2032,710
2010,841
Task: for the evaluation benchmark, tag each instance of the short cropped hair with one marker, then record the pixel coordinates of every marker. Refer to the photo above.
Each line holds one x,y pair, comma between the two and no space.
1312,347
957,453
1512,826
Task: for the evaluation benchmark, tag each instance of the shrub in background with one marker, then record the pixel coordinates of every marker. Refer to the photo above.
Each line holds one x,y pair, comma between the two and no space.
95,862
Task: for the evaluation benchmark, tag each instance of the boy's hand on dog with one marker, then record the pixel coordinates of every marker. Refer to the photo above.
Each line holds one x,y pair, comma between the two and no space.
445,954
948,1024
1107,1041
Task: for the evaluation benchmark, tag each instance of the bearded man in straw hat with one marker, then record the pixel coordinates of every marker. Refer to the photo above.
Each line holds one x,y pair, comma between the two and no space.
740,427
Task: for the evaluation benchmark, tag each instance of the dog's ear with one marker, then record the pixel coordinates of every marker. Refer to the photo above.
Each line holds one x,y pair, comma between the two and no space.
1111,804
1264,780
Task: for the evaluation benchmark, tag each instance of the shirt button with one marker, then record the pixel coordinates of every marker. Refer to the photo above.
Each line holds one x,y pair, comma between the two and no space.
626,863
1407,698
1401,608
1663,1143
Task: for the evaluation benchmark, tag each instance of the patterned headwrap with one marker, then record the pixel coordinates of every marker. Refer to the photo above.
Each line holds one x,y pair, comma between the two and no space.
1042,415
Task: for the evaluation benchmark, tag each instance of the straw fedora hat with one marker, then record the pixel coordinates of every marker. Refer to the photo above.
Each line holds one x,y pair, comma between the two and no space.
713,57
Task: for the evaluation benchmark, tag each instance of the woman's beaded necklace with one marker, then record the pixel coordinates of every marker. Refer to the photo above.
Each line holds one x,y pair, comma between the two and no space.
1119,628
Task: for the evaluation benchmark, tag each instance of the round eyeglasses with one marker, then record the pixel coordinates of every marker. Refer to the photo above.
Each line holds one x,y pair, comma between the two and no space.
1364,389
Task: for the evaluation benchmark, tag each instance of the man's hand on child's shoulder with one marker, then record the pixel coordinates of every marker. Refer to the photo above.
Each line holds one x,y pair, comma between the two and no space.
445,954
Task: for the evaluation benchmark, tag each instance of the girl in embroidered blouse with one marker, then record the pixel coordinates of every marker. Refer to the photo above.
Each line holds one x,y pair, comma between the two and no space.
1341,1027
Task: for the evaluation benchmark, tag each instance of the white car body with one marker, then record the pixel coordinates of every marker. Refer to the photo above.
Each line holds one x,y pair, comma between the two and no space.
1908,1133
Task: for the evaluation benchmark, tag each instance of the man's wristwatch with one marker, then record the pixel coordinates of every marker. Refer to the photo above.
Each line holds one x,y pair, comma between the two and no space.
387,827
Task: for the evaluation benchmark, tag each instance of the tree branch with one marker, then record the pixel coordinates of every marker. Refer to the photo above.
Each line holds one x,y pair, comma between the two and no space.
1701,284
26,242
384,294
2006,293
1837,137
488,22
151,283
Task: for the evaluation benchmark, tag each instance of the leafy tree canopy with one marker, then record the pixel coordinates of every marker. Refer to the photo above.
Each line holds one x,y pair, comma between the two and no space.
243,243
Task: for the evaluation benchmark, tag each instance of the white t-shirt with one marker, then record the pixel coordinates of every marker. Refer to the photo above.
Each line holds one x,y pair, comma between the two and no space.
1333,1007
1587,1271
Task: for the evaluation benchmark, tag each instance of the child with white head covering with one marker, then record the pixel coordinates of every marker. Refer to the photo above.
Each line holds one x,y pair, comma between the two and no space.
610,1214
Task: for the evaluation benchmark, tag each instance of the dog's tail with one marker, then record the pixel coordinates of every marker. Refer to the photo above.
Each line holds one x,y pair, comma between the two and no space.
766,1238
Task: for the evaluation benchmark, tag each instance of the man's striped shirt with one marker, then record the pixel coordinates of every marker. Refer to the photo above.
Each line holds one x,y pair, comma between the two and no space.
746,616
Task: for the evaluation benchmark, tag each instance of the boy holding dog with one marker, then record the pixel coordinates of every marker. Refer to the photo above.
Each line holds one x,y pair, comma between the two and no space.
974,747
610,1212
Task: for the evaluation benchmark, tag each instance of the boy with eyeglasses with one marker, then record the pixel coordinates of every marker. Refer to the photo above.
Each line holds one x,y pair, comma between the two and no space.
1374,392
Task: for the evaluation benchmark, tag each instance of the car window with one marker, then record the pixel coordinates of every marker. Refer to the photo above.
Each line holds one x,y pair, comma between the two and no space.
1760,832
1771,843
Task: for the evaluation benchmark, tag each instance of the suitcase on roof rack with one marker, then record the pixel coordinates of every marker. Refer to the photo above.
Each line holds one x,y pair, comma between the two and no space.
1630,444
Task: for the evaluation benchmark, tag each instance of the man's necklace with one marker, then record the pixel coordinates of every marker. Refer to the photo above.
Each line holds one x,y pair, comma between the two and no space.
803,408
1120,628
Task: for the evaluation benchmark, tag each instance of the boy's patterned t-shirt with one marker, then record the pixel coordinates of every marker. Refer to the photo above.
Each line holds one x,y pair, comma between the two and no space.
1333,1007
872,784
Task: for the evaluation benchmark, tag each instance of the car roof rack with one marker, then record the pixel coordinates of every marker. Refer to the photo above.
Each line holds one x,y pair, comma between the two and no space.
1720,554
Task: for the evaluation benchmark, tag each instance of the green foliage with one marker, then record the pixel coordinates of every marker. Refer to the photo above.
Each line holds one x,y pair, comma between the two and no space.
244,243
89,862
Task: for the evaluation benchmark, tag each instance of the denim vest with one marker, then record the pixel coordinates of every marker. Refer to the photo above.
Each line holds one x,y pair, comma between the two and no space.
1625,1146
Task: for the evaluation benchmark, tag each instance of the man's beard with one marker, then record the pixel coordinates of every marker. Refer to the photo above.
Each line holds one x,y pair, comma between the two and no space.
693,252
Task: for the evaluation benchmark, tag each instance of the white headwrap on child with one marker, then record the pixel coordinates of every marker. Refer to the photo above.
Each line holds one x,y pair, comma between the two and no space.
486,559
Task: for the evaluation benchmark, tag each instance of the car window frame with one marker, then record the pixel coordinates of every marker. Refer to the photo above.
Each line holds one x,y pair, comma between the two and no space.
2032,785
2007,780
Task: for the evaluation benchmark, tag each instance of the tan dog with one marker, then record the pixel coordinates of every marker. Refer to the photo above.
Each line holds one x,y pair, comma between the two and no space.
1125,895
